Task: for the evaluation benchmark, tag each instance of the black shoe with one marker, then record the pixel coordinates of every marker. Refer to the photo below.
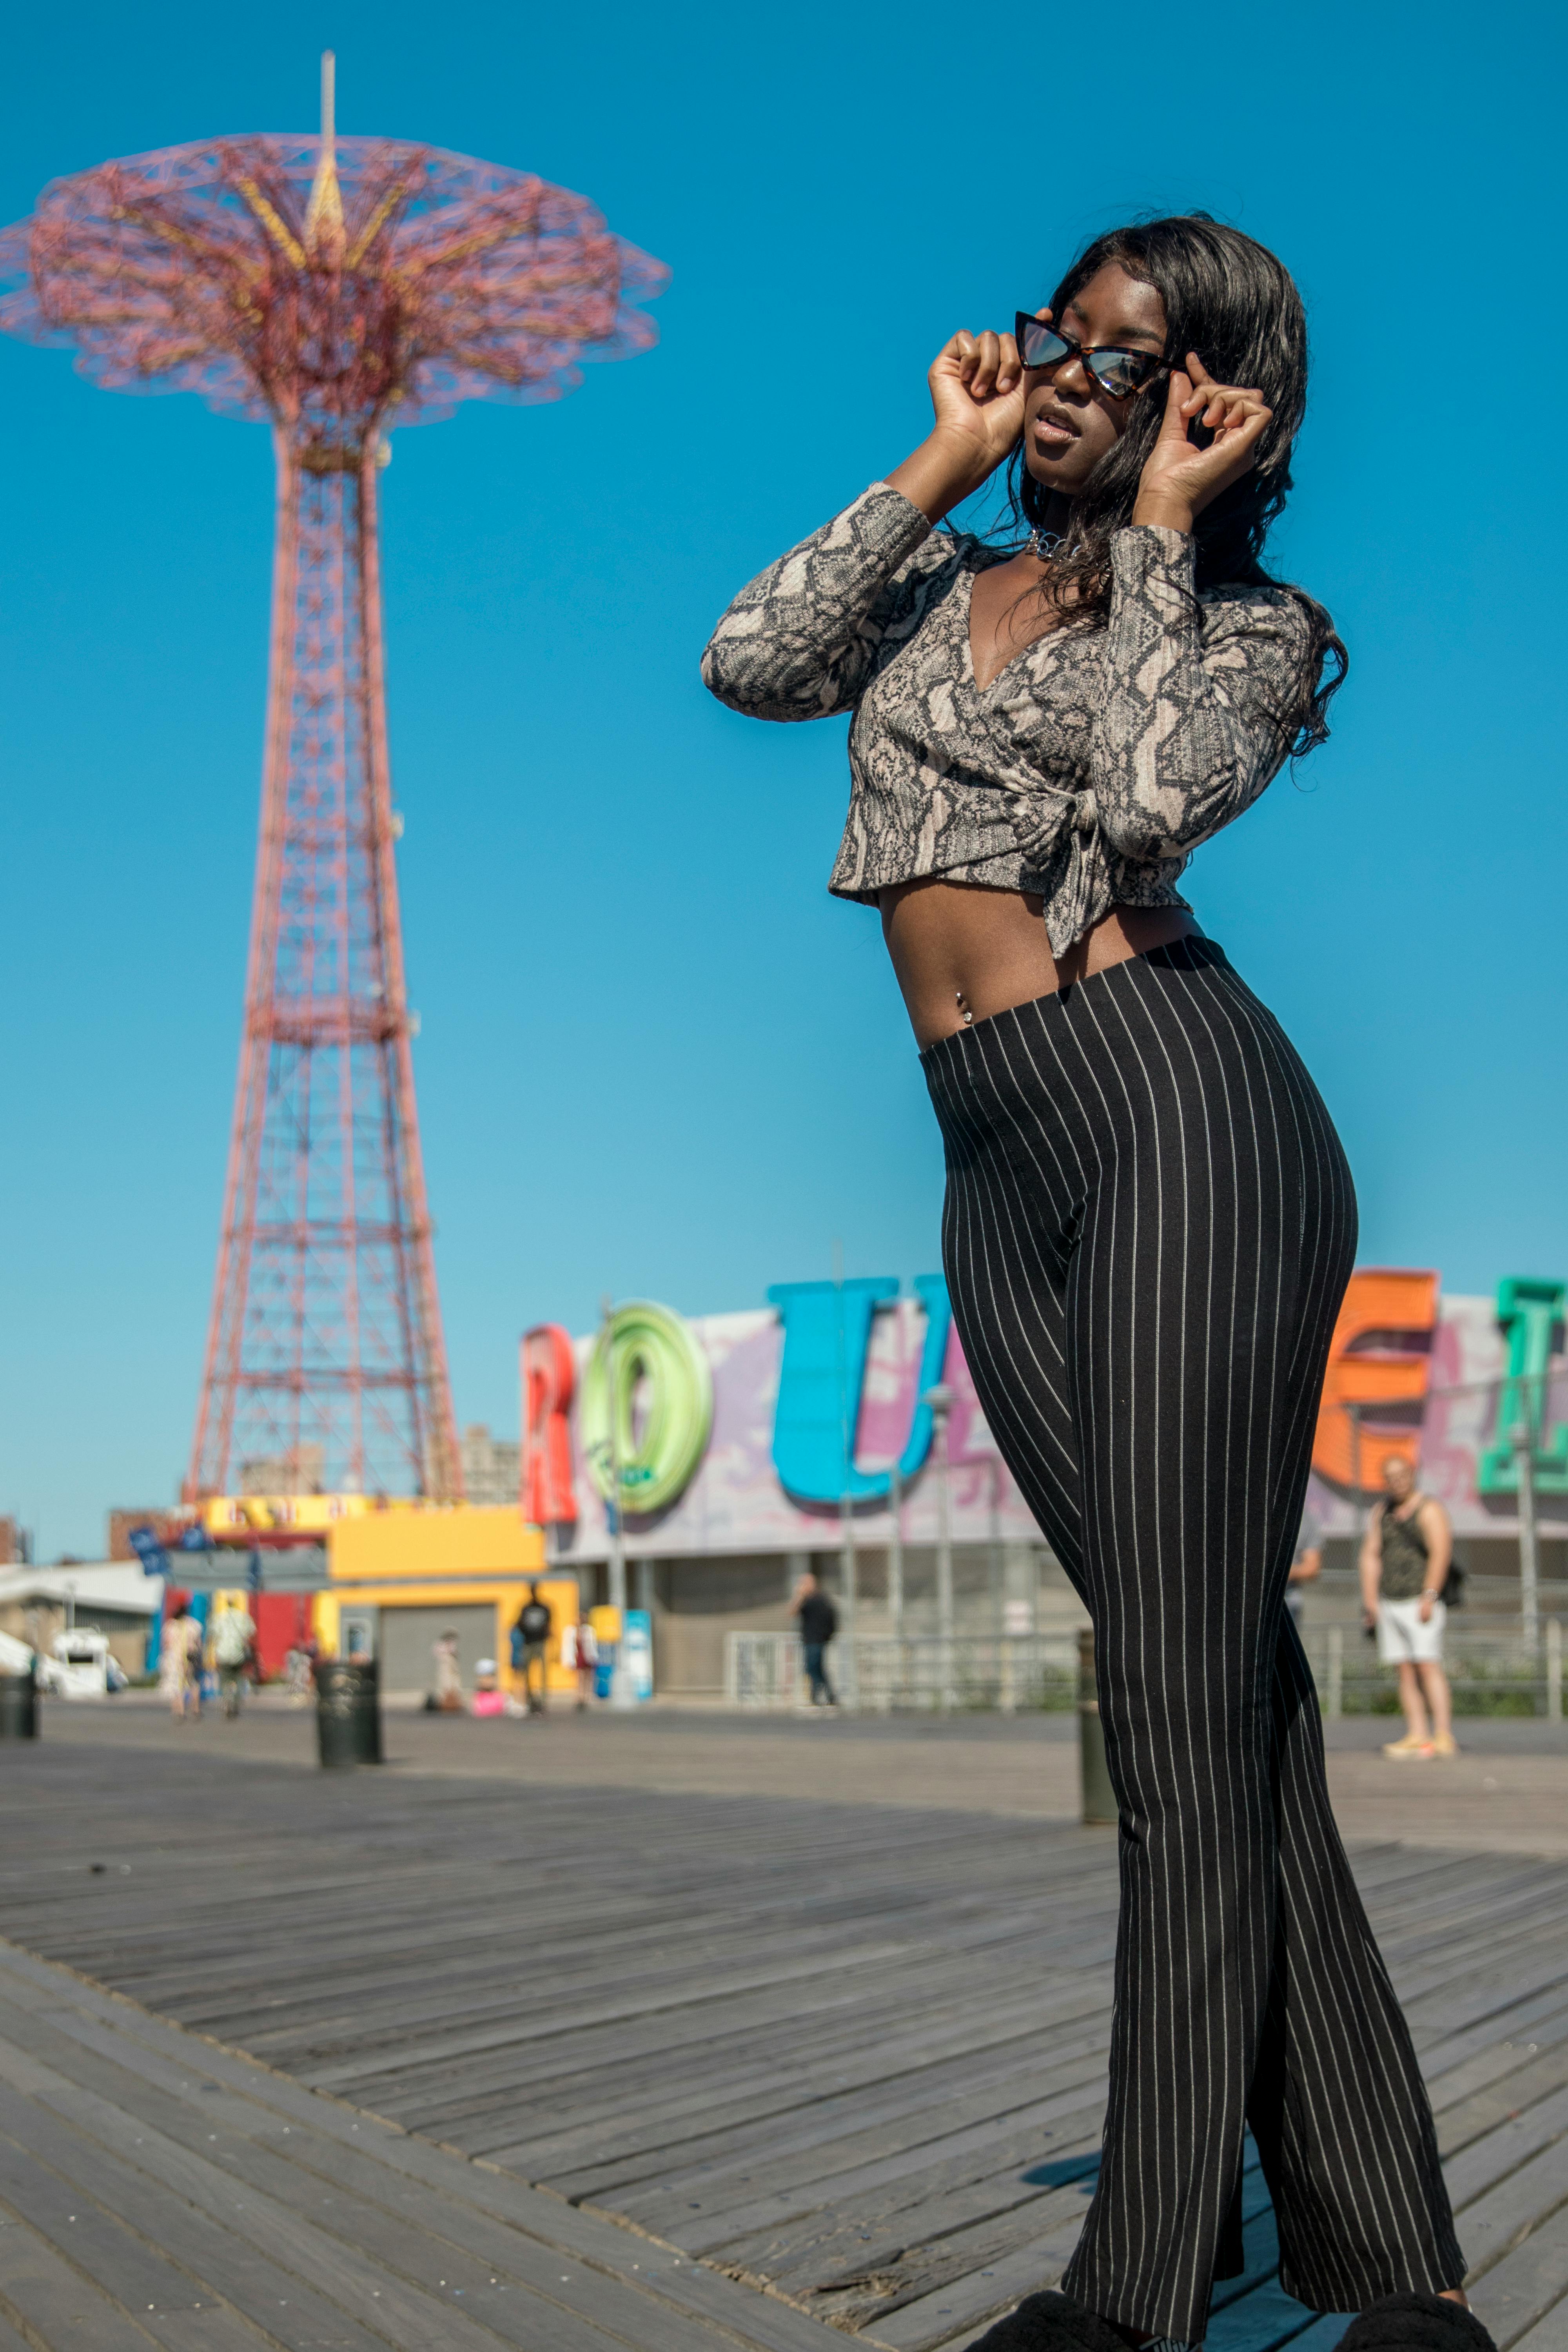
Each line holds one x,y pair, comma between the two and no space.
1052,2323
1416,2323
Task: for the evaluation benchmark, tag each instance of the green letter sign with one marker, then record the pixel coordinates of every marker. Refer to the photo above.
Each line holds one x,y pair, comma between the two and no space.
1529,1312
652,1346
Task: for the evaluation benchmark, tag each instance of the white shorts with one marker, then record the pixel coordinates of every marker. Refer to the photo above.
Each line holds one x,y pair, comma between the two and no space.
1401,1634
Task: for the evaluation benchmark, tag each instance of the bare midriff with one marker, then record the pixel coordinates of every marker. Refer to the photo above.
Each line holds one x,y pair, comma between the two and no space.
960,949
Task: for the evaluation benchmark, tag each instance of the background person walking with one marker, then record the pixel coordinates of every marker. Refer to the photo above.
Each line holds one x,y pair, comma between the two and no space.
232,1638
1405,1559
196,1660
818,1621
580,1655
529,1638
447,1695
174,1661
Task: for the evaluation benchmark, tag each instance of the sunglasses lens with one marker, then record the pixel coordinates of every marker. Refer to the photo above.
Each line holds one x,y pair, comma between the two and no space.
1042,346
1122,371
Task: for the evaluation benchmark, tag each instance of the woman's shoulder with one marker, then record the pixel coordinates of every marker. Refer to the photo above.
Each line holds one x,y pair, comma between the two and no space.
1268,607
950,552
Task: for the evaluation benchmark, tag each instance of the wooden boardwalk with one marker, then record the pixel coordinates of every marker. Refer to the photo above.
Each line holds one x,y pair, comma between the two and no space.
157,2191
851,2056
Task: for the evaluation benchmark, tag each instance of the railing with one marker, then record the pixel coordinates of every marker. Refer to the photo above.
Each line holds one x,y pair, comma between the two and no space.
918,1674
1491,1674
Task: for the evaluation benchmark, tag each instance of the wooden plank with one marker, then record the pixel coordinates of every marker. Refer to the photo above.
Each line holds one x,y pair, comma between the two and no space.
898,2073
170,2141
1476,2076
328,2277
1550,2333
9,2339
70,2214
52,2306
652,2270
959,2304
1496,2222
822,2145
708,2226
861,2277
1534,2075
1516,2024
1525,2295
1504,2150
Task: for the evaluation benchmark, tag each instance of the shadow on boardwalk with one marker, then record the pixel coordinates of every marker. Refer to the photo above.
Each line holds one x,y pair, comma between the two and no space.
851,2054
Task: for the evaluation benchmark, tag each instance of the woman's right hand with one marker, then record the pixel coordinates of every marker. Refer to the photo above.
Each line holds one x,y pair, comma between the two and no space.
977,392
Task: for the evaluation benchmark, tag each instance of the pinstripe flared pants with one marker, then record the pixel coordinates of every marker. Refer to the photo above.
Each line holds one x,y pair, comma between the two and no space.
1149,1227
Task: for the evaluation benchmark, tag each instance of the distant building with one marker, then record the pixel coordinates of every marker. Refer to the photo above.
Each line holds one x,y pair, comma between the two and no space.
36,1603
14,1543
492,1468
165,1523
301,1472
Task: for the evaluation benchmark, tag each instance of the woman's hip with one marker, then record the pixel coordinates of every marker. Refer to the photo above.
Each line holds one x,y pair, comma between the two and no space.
1162,1068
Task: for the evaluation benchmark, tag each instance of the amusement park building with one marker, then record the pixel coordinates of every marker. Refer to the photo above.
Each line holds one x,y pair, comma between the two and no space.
750,1446
1451,1384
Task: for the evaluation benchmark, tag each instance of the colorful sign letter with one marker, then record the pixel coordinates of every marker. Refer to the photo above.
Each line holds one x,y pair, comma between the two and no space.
651,1373
549,1377
826,1339
1530,1314
1379,1364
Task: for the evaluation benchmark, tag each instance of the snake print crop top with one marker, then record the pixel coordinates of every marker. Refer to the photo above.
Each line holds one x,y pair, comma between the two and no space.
1088,772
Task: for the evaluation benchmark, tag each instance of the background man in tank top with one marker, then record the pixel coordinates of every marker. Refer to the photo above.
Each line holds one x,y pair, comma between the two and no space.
1404,1566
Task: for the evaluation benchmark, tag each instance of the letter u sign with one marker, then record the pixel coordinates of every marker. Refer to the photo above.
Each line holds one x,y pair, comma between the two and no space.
822,1377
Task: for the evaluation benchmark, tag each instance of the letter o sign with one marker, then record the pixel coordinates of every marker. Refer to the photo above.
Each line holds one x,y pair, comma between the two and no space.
648,1407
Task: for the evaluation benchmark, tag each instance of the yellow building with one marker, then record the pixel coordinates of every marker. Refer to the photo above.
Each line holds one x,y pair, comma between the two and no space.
402,1580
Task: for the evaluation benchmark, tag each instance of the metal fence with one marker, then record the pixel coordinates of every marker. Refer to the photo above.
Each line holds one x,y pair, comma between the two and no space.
997,1674
1491,1674
1488,1673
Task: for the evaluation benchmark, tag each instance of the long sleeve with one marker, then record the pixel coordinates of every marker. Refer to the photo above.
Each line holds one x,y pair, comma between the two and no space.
1189,731
801,641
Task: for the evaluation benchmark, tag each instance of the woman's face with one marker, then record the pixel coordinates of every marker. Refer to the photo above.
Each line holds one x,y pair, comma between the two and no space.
1069,422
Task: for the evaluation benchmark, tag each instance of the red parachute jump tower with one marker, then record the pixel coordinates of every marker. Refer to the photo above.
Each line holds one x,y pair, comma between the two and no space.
333,287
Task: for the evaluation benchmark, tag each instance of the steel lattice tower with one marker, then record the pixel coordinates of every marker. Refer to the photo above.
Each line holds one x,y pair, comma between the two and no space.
331,287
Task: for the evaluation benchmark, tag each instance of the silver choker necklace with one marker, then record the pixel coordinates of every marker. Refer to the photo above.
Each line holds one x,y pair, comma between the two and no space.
1044,544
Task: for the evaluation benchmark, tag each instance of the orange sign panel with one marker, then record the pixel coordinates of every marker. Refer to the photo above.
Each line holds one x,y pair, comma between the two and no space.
1379,1362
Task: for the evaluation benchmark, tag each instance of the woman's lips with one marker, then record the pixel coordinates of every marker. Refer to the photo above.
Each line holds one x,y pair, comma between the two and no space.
1052,434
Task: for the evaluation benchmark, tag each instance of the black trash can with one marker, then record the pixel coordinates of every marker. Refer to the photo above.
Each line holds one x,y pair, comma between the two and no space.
348,1712
1099,1806
18,1707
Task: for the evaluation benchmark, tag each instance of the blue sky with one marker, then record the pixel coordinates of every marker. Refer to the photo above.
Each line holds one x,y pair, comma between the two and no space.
655,1057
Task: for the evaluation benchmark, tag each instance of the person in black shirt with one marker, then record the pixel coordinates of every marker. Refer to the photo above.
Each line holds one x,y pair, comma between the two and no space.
818,1624
529,1636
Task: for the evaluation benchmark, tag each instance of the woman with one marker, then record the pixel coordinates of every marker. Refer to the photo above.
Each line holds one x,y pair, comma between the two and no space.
1149,1220
174,1660
448,1692
580,1655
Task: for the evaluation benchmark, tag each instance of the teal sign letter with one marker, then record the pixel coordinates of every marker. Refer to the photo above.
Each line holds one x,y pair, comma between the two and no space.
1529,1312
822,1376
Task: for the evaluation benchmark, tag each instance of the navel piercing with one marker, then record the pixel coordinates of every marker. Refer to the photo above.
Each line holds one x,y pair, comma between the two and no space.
959,1000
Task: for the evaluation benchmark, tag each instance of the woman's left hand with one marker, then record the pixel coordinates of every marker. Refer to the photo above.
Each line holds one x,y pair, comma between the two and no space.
1181,479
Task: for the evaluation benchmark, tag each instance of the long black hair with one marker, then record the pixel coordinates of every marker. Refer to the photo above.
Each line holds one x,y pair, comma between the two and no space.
1230,300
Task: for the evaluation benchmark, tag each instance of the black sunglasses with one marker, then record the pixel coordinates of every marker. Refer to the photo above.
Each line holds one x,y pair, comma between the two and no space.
1115,370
